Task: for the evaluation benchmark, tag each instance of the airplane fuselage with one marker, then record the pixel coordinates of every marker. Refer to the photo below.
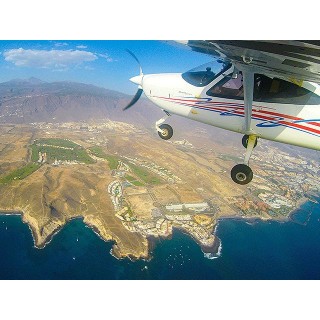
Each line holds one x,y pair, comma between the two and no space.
288,123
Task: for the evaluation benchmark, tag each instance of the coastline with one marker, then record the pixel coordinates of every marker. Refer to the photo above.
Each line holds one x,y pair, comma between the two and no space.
280,219
315,200
212,251
5,212
114,252
236,261
32,228
283,219
50,237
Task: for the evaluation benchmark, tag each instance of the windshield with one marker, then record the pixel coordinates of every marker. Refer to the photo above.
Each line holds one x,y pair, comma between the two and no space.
204,74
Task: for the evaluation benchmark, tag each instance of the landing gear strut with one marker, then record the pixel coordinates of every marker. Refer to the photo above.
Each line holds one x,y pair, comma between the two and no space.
245,139
242,173
165,131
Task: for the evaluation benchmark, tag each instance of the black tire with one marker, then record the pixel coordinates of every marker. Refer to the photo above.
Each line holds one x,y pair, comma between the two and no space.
245,141
168,132
241,174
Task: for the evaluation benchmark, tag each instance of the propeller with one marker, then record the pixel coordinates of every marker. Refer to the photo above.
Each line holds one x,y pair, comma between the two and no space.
134,100
137,80
135,58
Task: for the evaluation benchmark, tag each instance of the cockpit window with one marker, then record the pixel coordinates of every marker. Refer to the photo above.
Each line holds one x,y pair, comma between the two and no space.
228,87
204,74
266,89
281,91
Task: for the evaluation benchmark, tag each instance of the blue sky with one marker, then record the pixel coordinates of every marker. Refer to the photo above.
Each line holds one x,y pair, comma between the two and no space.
102,63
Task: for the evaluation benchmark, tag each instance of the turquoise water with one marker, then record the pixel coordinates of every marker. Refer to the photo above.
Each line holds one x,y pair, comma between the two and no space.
260,250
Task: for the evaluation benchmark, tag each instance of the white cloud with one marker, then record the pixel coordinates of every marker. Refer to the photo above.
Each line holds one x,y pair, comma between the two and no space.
106,56
82,47
61,44
55,59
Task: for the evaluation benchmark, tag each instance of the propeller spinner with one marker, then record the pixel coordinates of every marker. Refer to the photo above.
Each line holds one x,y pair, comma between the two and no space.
137,80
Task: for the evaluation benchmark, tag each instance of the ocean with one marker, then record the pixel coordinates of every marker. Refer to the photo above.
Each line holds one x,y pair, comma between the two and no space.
249,250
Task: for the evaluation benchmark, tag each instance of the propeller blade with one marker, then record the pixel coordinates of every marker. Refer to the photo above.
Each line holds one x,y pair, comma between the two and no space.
135,58
134,100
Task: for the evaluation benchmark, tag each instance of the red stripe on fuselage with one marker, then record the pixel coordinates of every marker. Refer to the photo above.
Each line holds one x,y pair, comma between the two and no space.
262,117
203,102
225,107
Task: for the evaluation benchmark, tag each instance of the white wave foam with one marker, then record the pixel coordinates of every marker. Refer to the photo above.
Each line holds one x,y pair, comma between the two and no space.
212,256
215,229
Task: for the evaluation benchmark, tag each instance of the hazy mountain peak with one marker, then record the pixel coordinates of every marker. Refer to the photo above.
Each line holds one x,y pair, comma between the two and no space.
34,80
34,100
31,80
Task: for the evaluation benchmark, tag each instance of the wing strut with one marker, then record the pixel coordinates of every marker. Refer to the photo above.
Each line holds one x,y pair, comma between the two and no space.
248,84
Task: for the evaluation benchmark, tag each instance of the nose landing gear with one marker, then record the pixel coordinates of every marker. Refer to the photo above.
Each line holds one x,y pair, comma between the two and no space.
165,131
242,173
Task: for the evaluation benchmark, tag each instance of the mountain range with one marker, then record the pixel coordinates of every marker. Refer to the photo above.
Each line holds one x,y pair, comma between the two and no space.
33,100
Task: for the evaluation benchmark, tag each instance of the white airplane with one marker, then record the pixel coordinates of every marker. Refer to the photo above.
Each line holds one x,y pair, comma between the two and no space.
262,89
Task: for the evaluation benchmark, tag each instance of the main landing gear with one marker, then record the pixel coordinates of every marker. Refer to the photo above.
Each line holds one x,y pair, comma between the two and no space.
165,131
242,173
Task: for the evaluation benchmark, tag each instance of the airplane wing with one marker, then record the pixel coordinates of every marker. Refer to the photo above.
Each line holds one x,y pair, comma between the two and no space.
296,60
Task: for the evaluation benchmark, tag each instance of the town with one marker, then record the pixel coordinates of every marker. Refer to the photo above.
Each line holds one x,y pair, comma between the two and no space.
195,218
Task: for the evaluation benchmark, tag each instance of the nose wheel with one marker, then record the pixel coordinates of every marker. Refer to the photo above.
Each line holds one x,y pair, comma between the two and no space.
165,132
242,173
